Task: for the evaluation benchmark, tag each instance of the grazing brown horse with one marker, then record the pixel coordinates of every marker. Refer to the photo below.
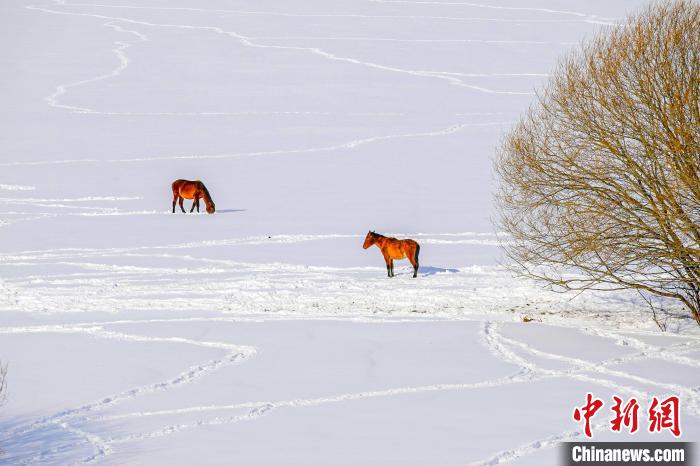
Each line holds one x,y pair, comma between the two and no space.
394,249
185,189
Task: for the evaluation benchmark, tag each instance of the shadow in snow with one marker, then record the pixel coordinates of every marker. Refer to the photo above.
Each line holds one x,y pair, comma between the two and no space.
46,443
428,270
228,211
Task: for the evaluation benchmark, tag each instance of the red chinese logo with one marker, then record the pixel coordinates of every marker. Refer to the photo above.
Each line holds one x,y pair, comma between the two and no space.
626,416
663,414
589,409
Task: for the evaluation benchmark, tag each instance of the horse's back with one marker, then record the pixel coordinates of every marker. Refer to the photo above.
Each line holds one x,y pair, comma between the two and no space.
409,246
178,183
401,248
185,188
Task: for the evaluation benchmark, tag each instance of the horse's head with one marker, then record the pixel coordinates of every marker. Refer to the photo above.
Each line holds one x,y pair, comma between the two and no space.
211,208
369,239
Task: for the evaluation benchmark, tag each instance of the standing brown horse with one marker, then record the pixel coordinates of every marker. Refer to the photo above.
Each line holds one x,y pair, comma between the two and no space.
394,249
185,189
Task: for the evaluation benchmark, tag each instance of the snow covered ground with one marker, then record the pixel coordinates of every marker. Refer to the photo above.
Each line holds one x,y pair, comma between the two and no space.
265,334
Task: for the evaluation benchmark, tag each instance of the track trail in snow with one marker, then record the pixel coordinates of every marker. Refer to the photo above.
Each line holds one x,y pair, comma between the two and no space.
509,350
119,51
119,278
348,145
598,373
233,354
584,17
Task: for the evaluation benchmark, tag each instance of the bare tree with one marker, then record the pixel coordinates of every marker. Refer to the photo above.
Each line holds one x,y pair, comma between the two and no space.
600,181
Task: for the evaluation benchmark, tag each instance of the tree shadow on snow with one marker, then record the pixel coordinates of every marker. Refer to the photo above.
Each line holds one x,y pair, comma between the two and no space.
20,442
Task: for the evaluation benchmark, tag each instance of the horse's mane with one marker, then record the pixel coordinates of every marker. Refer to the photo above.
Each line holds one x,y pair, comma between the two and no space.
206,193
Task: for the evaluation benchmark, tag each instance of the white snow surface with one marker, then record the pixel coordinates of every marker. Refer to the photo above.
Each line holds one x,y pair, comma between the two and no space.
265,334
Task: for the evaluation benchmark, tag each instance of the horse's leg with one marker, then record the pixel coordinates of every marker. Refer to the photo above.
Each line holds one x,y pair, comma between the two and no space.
175,196
417,264
182,199
414,262
391,267
197,200
194,203
387,260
